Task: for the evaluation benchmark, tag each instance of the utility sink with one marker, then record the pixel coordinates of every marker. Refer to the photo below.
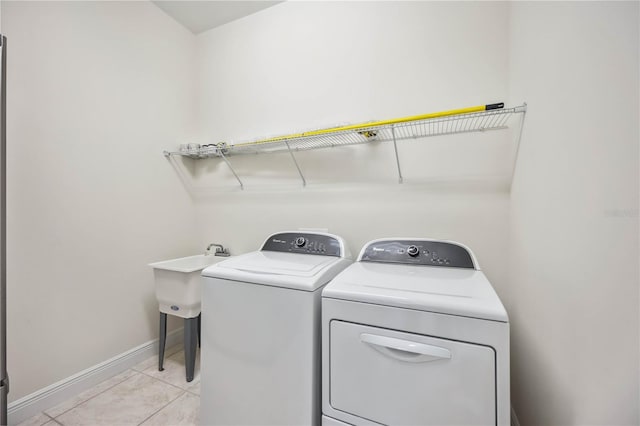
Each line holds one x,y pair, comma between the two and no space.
178,283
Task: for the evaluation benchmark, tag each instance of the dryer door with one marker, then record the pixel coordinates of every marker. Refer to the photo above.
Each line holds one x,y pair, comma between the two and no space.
397,378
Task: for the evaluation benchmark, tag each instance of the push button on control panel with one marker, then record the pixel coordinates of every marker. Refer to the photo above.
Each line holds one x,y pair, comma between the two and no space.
300,242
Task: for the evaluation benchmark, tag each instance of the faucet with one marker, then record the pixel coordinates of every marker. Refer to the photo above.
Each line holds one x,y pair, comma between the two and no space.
220,250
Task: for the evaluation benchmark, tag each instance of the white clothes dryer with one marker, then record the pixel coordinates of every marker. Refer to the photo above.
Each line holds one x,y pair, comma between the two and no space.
414,334
260,362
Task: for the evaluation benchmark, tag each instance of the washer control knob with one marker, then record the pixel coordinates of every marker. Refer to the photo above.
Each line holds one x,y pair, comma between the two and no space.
413,251
300,242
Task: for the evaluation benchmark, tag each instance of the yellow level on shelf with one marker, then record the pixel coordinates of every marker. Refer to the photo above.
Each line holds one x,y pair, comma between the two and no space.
364,126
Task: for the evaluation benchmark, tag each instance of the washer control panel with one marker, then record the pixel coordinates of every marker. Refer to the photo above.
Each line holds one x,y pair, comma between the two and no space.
418,252
305,243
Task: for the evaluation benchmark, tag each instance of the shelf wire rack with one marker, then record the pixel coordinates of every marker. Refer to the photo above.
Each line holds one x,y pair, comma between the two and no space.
474,119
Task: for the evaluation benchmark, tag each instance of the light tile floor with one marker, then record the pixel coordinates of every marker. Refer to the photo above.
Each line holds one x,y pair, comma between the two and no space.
141,395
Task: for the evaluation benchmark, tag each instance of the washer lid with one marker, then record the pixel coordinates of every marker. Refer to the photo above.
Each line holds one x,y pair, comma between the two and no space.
306,272
454,291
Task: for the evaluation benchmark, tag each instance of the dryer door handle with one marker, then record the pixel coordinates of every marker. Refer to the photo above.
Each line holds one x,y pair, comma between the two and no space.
405,350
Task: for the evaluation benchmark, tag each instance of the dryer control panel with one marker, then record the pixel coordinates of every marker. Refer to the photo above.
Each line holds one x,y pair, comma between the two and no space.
304,243
418,252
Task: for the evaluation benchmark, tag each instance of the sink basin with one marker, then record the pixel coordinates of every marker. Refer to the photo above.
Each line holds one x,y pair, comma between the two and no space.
178,283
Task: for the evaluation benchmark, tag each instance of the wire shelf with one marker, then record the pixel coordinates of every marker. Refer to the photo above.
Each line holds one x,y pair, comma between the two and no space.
473,122
438,124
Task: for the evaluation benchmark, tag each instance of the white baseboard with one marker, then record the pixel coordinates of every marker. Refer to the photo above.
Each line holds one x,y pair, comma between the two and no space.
514,418
58,392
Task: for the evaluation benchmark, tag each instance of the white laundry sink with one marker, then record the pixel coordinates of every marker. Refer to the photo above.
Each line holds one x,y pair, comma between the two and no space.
178,283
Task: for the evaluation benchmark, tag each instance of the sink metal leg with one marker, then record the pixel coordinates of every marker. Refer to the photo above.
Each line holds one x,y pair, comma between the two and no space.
163,340
190,345
200,330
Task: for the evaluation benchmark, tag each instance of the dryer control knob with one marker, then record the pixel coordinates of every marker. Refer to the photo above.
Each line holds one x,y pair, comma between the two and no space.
413,251
300,242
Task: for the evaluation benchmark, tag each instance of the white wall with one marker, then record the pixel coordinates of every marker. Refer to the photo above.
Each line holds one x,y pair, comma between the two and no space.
302,65
574,214
96,91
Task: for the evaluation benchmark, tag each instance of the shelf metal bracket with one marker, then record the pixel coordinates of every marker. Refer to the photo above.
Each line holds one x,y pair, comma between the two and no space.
231,168
293,157
184,177
523,110
395,149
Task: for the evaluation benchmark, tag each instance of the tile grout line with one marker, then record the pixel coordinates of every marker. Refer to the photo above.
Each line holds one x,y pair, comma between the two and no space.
90,398
135,371
192,393
184,391
50,418
163,381
55,419
164,406
168,355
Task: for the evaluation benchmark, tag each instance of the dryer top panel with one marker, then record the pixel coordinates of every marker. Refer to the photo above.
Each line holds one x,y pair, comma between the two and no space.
420,251
454,291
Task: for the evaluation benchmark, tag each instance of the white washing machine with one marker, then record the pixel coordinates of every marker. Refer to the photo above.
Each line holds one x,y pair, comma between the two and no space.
260,362
414,334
